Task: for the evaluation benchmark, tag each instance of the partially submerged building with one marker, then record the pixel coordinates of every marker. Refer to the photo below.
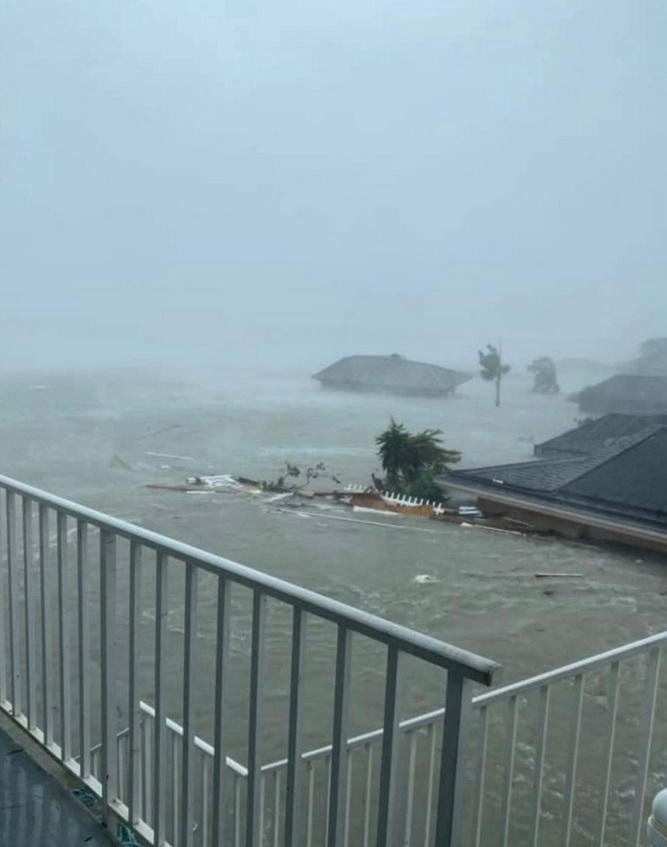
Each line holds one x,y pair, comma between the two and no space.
606,486
626,394
652,360
392,374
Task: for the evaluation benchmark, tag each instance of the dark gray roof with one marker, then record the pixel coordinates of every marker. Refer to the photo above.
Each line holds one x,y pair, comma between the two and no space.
635,478
391,372
628,477
626,393
547,475
607,431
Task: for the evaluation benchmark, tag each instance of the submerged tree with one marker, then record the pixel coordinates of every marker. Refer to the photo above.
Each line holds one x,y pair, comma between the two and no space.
411,461
492,367
546,380
294,472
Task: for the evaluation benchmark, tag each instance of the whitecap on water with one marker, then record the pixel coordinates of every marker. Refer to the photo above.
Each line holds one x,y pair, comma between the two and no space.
423,578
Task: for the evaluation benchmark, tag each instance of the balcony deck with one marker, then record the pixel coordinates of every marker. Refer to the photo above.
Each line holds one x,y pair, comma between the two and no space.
36,808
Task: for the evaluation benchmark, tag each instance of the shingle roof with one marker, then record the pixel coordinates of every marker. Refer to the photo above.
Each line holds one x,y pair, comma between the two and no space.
627,477
547,475
606,431
635,478
626,393
391,372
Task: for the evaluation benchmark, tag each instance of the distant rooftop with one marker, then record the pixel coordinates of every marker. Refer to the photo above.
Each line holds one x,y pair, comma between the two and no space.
626,394
392,374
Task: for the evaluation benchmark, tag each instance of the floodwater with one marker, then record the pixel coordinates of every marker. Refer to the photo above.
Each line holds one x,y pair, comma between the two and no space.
99,438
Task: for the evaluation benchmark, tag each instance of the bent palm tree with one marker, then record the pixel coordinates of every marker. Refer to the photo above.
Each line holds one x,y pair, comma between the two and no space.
492,368
412,461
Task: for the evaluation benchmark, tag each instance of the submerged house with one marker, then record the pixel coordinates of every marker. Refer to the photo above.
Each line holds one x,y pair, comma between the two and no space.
652,360
627,394
392,374
610,488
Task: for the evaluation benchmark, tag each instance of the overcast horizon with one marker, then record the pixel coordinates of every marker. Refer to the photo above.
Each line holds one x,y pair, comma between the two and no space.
281,184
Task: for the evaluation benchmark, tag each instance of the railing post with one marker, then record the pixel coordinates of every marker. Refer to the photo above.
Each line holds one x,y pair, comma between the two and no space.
64,637
387,829
160,748
189,679
294,763
253,833
84,647
220,717
458,705
47,624
14,652
135,754
109,775
338,773
29,594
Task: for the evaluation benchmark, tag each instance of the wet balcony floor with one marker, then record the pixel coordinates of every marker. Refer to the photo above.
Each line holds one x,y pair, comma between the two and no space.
36,810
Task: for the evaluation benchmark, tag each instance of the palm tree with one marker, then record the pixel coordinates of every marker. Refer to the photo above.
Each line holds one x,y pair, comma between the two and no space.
394,452
412,461
492,367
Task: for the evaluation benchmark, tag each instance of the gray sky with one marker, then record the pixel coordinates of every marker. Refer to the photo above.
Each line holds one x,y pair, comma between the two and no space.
280,182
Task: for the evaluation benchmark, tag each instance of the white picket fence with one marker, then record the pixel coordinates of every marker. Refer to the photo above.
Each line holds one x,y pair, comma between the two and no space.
395,498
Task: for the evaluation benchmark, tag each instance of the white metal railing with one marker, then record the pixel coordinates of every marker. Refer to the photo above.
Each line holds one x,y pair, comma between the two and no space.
76,653
553,760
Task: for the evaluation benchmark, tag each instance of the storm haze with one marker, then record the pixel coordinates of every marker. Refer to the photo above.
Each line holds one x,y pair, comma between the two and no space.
280,184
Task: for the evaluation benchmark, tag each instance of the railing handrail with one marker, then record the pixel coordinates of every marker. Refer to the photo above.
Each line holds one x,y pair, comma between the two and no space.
616,654
200,744
462,662
572,670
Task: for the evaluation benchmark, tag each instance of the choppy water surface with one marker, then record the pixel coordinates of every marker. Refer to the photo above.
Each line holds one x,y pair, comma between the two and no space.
473,588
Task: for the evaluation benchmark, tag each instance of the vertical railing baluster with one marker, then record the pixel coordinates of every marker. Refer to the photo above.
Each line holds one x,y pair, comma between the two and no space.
135,715
237,810
160,726
480,777
510,752
650,695
253,801
612,706
276,807
348,797
189,682
387,824
338,772
220,715
146,764
177,797
109,775
205,799
433,731
458,705
294,746
121,759
410,789
83,579
3,601
542,723
310,770
368,794
47,624
29,593
14,605
262,805
63,639
571,779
